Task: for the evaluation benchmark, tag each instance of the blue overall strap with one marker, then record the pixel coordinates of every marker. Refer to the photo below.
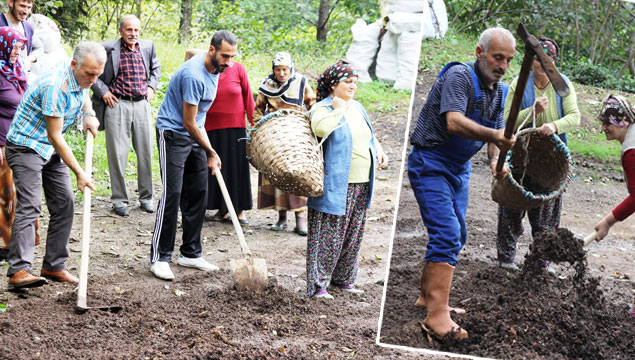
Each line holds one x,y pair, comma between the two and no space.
505,91
477,88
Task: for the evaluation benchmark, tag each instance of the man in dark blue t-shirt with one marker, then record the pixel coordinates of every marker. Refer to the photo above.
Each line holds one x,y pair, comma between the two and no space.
463,112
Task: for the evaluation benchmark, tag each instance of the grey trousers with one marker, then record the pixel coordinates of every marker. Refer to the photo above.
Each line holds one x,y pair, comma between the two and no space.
31,173
129,119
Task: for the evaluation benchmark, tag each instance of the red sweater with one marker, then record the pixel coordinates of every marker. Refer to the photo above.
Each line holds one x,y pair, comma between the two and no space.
627,207
233,100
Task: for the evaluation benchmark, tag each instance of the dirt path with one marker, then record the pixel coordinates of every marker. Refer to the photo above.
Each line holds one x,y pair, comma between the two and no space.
505,317
200,315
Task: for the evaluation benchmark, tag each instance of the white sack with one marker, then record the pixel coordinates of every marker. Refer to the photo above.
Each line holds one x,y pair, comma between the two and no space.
408,51
399,22
412,6
47,31
386,69
363,47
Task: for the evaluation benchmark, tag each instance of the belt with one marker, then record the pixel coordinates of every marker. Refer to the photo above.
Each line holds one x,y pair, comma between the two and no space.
131,98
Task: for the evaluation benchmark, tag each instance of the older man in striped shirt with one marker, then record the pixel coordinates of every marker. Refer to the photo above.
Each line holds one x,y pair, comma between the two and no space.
40,157
463,111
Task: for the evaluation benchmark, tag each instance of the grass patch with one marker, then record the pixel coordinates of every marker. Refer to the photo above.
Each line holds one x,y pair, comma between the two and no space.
591,143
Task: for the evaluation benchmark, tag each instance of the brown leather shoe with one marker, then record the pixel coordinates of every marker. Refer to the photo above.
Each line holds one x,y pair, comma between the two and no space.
61,275
23,279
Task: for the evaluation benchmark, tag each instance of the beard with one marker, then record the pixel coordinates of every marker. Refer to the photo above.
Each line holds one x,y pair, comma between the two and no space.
216,63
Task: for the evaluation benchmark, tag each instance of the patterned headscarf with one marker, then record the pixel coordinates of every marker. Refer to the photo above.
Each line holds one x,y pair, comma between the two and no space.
334,74
616,110
283,59
292,90
13,72
549,46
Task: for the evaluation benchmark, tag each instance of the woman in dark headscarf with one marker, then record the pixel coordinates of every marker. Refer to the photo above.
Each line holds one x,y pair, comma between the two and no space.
283,89
553,115
617,117
12,87
351,153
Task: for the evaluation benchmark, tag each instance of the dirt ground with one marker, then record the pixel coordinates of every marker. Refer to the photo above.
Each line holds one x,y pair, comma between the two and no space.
512,315
200,315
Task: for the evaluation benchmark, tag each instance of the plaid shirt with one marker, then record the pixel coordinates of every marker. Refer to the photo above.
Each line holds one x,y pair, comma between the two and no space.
56,94
132,78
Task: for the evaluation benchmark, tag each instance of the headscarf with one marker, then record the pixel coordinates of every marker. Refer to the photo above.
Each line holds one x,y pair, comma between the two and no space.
334,74
13,72
550,46
290,91
616,110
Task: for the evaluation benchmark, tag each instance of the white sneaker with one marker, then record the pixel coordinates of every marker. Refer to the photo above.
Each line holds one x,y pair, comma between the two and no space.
509,266
161,269
197,263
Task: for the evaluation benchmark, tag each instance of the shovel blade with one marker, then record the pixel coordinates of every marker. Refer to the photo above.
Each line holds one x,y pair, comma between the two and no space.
249,274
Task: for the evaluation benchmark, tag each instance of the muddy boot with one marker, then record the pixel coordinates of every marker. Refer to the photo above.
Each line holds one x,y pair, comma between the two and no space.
438,283
421,300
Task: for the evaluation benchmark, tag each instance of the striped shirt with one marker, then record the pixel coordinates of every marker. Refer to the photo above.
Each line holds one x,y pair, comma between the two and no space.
55,94
131,78
454,91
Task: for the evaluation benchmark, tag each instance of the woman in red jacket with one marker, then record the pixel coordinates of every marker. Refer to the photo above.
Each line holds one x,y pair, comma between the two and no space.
617,118
225,125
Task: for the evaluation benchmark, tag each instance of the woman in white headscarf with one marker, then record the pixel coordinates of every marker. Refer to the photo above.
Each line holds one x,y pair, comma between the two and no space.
283,89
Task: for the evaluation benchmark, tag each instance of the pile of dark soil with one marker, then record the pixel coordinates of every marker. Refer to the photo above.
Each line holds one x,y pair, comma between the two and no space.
200,317
529,314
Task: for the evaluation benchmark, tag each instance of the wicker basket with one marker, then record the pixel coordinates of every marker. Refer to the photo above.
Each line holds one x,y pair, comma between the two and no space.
283,148
540,170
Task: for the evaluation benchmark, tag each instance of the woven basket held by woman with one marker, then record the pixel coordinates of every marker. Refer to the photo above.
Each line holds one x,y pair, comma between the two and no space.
351,153
553,115
282,89
12,87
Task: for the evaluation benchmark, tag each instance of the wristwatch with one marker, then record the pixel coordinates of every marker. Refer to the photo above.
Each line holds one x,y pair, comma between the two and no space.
88,113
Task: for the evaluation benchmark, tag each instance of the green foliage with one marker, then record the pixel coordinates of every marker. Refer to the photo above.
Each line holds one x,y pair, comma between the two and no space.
596,75
594,36
592,143
586,73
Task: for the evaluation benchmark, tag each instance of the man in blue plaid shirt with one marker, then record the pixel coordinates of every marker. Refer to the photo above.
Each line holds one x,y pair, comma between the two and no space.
40,157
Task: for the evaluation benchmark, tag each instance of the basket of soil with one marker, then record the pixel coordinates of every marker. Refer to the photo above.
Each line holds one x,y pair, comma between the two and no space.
540,169
283,147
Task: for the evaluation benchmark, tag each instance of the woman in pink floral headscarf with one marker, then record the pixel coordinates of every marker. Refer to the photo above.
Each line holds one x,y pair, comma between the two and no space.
617,117
12,87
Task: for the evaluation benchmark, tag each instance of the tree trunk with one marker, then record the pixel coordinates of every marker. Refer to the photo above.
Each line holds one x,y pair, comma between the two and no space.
577,32
186,21
138,9
323,20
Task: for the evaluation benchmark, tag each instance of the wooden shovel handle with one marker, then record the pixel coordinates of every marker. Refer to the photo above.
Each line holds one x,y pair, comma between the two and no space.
592,236
232,213
523,77
83,264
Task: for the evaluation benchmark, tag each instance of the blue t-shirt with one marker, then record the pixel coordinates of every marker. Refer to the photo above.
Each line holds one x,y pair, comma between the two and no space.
193,84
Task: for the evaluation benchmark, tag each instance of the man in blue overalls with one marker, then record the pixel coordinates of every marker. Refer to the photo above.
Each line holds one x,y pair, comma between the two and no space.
463,111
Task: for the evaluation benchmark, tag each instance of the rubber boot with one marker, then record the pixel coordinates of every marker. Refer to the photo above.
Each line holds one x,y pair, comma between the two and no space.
438,282
421,300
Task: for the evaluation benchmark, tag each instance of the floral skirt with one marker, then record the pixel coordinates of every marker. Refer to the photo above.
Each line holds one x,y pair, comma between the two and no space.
334,241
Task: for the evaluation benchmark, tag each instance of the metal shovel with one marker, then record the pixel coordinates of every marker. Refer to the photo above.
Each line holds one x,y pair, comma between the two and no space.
83,265
249,273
